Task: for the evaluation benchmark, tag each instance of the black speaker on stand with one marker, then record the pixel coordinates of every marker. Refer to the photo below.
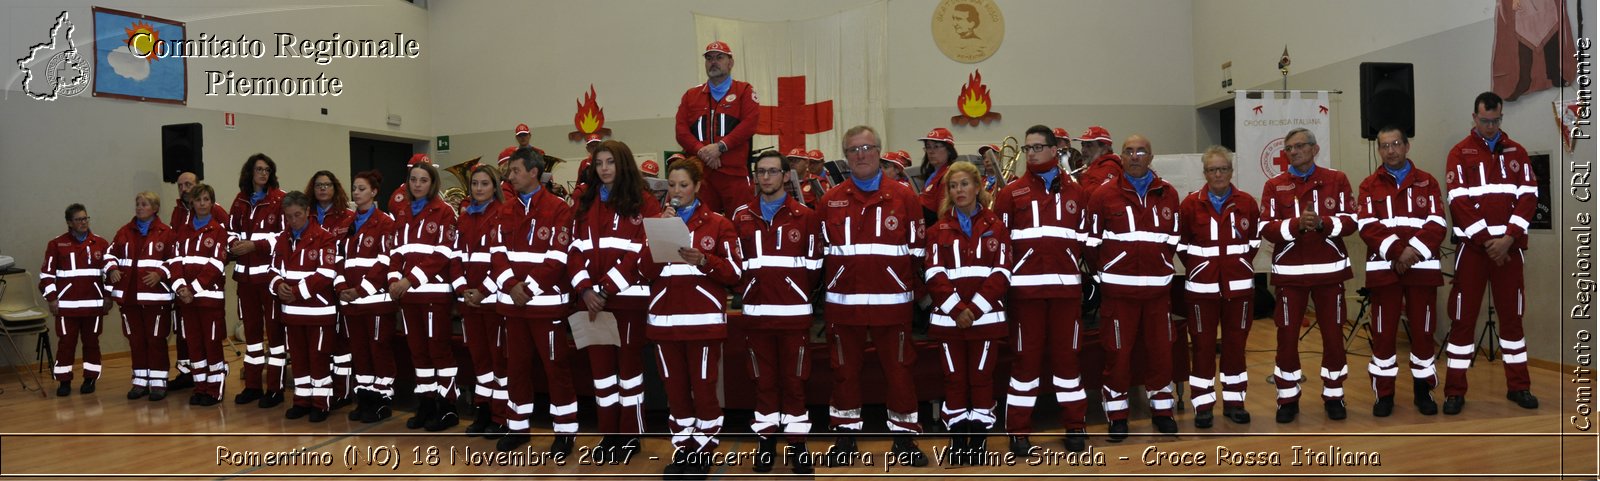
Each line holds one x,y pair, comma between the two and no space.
180,151
1387,98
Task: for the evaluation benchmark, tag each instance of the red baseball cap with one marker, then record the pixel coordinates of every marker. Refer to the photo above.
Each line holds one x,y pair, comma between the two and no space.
1096,134
720,47
814,154
522,129
1061,134
940,134
650,167
418,159
505,155
591,138
988,147
799,152
899,157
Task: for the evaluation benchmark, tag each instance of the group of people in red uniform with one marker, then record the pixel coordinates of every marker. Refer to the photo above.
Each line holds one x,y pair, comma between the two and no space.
998,266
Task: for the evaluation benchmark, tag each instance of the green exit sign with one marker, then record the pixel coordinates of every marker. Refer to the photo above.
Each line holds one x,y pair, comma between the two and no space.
442,144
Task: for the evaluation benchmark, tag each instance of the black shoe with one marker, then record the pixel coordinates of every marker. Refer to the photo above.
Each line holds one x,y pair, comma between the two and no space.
766,455
207,401
480,420
247,396
677,468
1453,404
1203,419
978,445
602,452
1384,407
270,400
297,411
137,392
1523,398
157,394
65,389
1236,414
905,449
183,381
495,431
426,408
194,399
843,452
1287,412
318,416
801,464
339,403
1022,447
380,411
444,418
1422,395
1077,440
363,404
1118,431
1335,409
562,444
511,442
1165,425
87,387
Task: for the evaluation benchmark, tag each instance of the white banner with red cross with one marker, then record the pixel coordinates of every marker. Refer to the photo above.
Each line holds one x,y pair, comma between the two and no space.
1262,118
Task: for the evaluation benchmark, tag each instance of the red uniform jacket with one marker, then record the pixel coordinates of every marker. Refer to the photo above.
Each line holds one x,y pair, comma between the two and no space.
1132,240
307,265
811,194
71,275
732,121
258,223
364,264
399,200
471,266
874,253
605,253
689,302
531,247
136,256
1313,257
1047,235
968,272
425,244
1396,216
1103,169
199,261
782,262
1218,248
932,195
182,217
336,221
1492,192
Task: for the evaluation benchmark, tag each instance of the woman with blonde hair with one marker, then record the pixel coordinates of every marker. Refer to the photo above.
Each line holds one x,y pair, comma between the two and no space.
136,271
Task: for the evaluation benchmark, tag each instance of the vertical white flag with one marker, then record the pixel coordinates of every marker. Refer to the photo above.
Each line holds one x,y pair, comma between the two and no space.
1261,123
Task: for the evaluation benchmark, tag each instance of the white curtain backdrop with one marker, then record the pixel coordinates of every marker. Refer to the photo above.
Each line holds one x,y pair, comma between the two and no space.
844,57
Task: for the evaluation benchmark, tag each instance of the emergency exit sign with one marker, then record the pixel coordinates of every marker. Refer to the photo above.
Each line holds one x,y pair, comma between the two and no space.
442,144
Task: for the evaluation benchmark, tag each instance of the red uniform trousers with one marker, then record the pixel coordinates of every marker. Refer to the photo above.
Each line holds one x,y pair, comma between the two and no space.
69,330
313,374
146,327
969,381
340,361
689,371
481,331
181,341
1045,328
619,376
427,331
723,192
1125,321
1473,269
258,310
895,354
525,338
204,328
779,365
1232,318
371,352
1291,311
1417,303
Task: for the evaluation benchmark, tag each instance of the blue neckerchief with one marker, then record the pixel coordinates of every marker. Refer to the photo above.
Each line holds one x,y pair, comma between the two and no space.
934,176
1399,175
868,185
143,225
322,213
992,180
80,238
1049,176
1217,200
477,208
605,193
769,209
257,196
687,211
200,222
717,91
964,219
1491,142
528,197
417,205
1303,176
361,218
1141,184
295,233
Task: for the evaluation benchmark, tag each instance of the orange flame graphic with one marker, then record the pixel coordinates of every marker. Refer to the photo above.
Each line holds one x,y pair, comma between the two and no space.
590,117
974,101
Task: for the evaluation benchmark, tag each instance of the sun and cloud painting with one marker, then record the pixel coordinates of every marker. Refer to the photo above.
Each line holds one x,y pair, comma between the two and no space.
127,60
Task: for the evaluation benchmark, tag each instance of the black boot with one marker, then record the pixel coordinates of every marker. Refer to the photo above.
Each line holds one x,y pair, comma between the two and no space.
1423,397
1287,412
183,381
1118,431
65,389
444,418
270,400
511,442
843,452
677,468
380,409
1077,440
87,387
427,406
1384,407
956,454
1203,419
906,450
1021,446
562,444
978,444
798,458
247,396
767,455
495,430
1335,409
363,404
480,420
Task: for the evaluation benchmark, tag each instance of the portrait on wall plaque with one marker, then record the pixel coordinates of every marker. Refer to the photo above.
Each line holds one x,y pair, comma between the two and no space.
968,31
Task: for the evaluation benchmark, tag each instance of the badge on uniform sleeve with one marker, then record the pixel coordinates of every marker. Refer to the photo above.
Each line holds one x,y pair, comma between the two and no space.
367,242
399,197
992,244
1072,206
433,228
210,242
327,256
1450,176
1516,167
1422,202
161,246
1166,212
1021,192
731,97
794,235
561,236
891,222
753,95
544,233
1328,203
838,203
450,236
1244,225
706,243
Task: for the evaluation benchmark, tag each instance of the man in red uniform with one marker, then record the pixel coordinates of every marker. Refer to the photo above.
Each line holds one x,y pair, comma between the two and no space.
715,121
1492,195
1104,164
304,260
1044,211
1402,224
72,263
1305,213
1133,234
873,229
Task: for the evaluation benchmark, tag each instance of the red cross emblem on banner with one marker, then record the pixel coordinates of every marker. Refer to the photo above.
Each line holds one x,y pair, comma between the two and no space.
1282,161
793,118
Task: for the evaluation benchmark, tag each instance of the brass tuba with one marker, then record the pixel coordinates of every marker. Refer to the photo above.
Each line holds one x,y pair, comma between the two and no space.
1010,152
455,195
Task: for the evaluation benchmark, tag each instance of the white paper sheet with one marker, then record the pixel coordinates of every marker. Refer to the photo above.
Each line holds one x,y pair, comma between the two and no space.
666,236
601,331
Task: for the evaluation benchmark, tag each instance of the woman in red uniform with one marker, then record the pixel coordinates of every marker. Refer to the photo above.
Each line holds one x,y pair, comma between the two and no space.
72,263
254,221
688,319
366,310
968,273
418,279
607,240
331,211
136,271
303,263
938,150
198,265
481,323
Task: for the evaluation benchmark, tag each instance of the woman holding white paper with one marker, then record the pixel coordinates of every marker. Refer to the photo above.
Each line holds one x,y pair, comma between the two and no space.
688,318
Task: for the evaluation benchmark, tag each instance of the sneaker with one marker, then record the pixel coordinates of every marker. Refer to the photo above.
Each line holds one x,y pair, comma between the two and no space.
247,396
87,387
1453,404
1523,398
1384,407
1118,431
65,389
1287,412
1335,409
270,400
1203,419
